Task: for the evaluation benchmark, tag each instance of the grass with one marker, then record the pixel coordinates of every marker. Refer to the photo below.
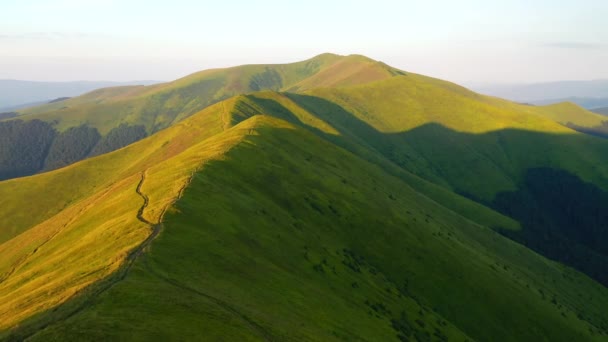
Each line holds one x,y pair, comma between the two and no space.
568,112
327,212
278,240
449,135
67,240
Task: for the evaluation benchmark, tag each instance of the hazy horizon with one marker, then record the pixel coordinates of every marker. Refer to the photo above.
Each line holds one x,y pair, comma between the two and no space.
470,42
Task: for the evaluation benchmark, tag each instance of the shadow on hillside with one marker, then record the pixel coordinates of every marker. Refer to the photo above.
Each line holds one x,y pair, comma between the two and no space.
529,176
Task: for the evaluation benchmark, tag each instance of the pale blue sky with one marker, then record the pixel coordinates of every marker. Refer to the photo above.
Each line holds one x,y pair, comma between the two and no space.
466,41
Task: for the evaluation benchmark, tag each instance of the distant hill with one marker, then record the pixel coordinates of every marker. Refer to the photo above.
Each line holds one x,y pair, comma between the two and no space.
585,102
106,119
16,94
603,110
588,94
23,106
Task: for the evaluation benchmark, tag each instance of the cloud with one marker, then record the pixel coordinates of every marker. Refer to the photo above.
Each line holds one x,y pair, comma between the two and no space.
574,45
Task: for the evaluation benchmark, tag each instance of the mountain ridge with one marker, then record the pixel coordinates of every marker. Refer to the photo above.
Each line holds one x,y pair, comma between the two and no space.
376,201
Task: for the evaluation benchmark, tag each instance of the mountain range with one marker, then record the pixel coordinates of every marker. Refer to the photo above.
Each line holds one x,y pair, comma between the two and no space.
16,94
336,198
588,94
603,110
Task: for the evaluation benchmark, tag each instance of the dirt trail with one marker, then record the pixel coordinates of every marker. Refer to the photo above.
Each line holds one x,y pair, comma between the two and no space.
86,297
224,116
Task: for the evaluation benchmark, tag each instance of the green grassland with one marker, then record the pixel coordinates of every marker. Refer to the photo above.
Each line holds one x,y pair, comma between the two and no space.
450,136
325,204
289,237
81,221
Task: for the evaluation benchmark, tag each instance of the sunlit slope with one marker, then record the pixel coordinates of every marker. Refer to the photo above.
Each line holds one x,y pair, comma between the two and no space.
453,137
568,112
73,183
289,237
92,214
161,105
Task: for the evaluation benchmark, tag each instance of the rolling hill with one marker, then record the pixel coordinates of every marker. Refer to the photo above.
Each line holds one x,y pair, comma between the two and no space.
158,106
16,94
602,111
588,94
585,102
358,202
108,119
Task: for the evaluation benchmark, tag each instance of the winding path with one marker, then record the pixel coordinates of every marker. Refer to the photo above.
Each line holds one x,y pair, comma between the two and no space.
87,295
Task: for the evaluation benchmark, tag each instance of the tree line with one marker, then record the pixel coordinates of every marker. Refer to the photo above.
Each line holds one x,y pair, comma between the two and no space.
29,147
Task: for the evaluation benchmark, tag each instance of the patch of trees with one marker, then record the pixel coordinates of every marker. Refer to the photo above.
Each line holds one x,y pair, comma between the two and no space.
119,137
23,147
562,217
71,146
29,147
8,115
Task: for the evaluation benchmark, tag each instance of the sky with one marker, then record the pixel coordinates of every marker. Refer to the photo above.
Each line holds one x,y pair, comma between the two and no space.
466,41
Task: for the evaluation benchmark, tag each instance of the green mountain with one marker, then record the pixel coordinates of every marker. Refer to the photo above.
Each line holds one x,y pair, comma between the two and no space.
108,119
354,204
158,106
587,94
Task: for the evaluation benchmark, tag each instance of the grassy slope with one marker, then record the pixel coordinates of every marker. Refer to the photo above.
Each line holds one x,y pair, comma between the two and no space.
71,184
450,136
568,112
84,225
291,238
